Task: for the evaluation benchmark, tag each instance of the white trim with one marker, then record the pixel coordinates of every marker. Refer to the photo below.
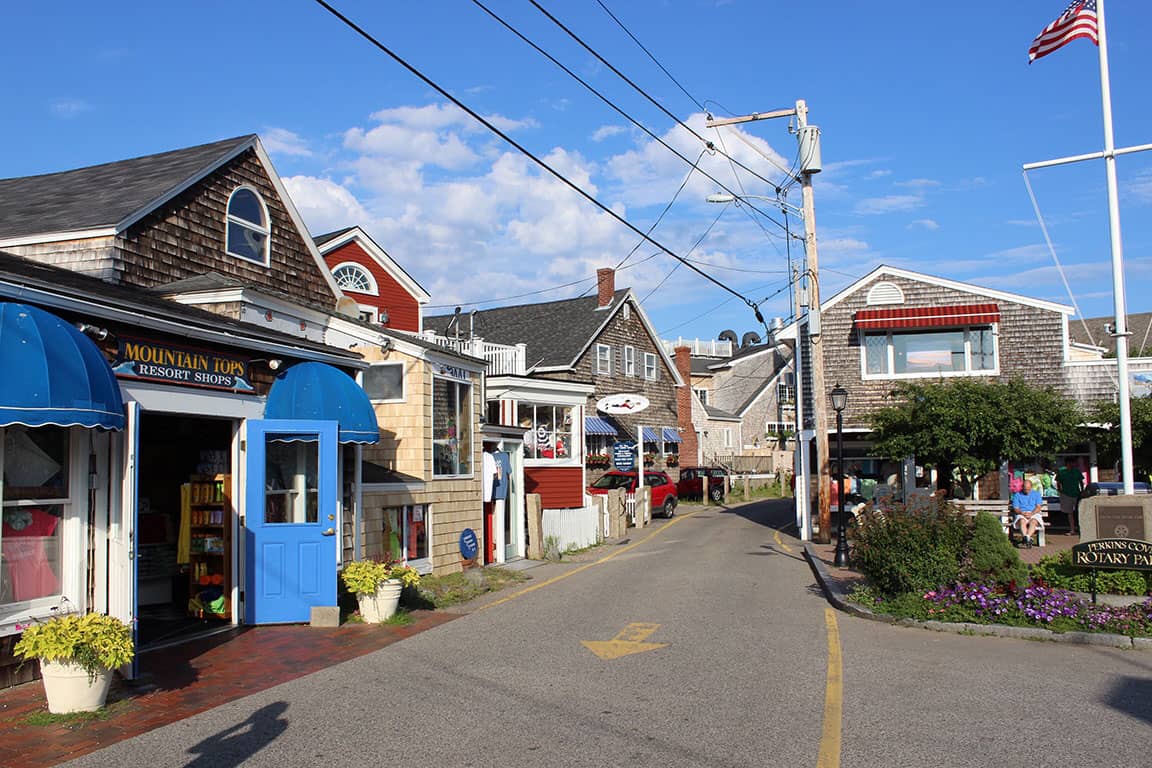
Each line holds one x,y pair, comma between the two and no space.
381,257
56,237
264,229
472,431
768,387
1065,338
538,390
392,487
655,368
596,371
629,364
165,398
373,289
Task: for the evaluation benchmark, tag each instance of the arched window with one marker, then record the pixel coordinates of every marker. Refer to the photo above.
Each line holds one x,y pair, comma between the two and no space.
247,229
353,277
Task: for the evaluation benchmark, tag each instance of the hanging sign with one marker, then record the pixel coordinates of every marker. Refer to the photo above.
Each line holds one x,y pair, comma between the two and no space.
624,455
622,404
451,371
152,361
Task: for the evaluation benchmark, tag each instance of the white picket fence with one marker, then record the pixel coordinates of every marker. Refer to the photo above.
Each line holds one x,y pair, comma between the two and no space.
573,528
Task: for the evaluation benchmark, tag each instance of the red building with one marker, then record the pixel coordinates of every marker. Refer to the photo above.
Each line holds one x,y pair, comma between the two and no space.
365,273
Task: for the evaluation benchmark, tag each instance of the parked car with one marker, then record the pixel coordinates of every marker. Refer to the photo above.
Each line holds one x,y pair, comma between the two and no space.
691,483
664,495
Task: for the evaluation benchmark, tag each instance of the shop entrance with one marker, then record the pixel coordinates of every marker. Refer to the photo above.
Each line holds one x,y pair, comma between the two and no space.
184,550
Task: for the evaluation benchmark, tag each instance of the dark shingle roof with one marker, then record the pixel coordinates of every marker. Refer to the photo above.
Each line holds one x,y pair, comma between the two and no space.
1139,324
102,195
321,239
555,331
718,413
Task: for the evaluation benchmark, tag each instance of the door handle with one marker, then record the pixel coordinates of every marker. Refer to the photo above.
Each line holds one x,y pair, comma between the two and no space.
328,532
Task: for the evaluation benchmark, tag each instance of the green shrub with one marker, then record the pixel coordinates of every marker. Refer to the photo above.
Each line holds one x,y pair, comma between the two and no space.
910,549
991,556
1057,571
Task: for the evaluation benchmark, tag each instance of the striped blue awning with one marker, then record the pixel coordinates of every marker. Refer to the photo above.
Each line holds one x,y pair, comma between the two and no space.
594,425
651,435
671,435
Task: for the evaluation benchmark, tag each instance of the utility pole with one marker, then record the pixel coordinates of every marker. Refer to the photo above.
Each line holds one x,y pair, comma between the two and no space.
808,137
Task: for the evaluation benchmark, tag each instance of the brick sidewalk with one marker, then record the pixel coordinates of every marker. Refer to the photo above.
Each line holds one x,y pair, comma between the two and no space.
183,680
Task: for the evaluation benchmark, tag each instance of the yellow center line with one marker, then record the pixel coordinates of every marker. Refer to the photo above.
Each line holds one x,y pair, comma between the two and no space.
829,756
780,541
586,566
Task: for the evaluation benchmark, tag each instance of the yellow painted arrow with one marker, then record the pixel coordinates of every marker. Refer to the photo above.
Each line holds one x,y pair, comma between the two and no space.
630,640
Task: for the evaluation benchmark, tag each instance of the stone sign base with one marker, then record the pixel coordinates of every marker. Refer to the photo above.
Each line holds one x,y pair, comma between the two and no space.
1116,517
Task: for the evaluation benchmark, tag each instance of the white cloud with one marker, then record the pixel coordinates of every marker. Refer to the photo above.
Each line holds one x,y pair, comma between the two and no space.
920,184
69,108
285,142
1140,188
929,224
606,131
324,204
880,173
871,206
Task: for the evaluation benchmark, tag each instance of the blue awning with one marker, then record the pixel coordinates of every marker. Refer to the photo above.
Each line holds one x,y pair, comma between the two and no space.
651,435
53,373
319,392
671,435
594,425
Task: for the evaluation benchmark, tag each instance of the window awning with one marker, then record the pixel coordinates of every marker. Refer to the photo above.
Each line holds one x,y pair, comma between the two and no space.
927,317
651,435
320,392
53,373
671,435
594,425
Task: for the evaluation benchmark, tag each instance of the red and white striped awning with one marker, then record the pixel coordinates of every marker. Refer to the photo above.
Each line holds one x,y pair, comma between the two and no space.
927,317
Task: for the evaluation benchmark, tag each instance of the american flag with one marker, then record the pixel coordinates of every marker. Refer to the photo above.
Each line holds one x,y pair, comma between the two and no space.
1078,20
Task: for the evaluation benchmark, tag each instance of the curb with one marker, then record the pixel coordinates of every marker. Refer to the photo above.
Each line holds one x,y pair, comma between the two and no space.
838,597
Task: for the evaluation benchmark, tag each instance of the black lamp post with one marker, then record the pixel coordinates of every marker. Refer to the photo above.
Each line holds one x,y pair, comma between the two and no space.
839,397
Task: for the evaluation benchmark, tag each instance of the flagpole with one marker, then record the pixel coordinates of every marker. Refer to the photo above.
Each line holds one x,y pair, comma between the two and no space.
1121,327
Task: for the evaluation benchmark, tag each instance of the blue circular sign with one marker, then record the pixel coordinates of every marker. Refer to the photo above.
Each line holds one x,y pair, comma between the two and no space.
469,545
624,455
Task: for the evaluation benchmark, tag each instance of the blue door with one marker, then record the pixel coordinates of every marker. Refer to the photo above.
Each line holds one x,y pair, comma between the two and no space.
290,520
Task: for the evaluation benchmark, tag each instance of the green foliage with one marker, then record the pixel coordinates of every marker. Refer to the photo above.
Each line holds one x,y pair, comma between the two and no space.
1057,571
94,641
1108,440
455,588
991,556
910,549
972,424
363,577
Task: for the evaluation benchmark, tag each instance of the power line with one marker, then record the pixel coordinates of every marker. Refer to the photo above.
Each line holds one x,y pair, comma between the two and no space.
525,151
685,260
637,88
655,61
709,146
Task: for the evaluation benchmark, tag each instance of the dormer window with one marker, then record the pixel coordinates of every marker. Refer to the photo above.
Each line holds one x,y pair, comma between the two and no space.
247,232
353,277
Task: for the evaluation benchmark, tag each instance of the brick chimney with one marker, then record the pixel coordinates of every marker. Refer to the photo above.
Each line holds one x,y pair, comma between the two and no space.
689,446
605,286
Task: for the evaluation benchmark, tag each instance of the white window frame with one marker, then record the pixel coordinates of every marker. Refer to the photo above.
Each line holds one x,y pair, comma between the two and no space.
629,361
603,360
73,549
727,433
891,356
650,366
373,289
575,431
422,564
403,382
472,432
265,229
701,394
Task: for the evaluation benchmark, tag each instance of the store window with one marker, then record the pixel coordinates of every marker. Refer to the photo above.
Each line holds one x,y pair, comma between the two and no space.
603,360
549,433
36,502
247,232
350,276
912,354
629,361
384,382
649,366
451,427
406,535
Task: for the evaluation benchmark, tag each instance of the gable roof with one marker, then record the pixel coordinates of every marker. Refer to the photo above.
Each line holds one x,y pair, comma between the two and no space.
331,241
1139,325
104,196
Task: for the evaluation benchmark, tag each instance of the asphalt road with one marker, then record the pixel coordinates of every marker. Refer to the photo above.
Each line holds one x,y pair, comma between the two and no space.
739,677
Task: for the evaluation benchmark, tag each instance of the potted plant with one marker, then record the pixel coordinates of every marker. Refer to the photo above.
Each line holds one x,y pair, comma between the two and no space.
77,656
377,585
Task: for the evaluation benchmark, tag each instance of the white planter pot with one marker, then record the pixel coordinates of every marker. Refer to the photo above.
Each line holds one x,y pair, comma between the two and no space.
68,689
382,605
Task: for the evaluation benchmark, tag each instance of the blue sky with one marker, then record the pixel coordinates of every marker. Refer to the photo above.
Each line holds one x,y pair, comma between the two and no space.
928,111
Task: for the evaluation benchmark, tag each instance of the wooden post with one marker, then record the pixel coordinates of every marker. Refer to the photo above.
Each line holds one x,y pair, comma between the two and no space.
535,526
747,494
704,489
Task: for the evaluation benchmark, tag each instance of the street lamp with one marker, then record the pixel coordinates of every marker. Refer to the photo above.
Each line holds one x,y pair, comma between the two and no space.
839,397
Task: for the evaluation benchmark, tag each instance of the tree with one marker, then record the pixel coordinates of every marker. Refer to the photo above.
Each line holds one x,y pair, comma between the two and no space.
972,425
1107,437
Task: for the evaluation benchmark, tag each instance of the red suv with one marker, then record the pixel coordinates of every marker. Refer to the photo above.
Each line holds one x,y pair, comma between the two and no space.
691,483
663,489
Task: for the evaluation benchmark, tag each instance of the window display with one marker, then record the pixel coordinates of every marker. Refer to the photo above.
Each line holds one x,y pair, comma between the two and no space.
548,431
451,427
35,500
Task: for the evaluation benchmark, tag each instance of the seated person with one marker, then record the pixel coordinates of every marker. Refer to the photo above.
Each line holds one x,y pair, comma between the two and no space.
1028,508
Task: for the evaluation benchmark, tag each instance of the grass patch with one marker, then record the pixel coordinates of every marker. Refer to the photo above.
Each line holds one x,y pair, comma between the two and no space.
772,490
401,618
75,719
456,588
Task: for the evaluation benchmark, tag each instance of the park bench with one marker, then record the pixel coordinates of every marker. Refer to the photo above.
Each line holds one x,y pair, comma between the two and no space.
1000,509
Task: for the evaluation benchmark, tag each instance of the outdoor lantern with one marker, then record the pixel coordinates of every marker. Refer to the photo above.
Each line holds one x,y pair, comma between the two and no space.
839,397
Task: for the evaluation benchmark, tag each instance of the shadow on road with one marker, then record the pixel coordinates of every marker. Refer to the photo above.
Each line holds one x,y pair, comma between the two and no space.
1132,696
234,745
767,550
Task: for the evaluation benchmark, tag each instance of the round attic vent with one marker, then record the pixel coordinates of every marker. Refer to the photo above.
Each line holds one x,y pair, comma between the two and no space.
885,293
